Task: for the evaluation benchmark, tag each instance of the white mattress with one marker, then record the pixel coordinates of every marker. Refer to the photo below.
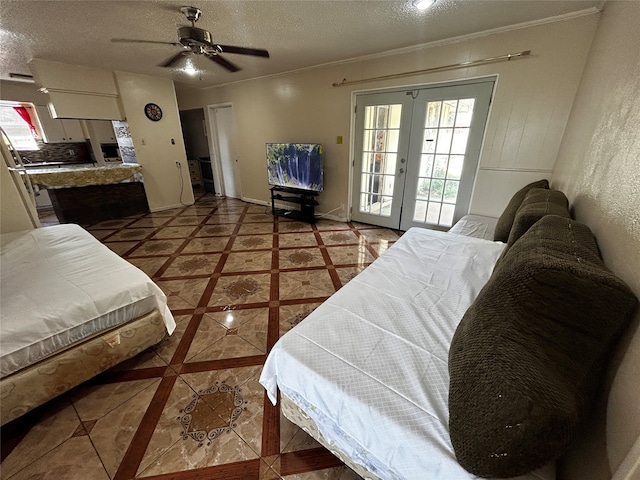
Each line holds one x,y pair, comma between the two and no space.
369,366
477,226
60,285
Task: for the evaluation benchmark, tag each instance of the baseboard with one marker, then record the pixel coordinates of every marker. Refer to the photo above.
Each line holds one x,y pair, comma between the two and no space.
168,207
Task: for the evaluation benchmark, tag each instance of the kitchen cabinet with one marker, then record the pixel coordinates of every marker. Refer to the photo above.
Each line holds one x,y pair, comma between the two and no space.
59,130
103,130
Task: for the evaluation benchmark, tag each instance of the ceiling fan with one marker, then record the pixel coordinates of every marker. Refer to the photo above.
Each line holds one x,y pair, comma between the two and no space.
197,41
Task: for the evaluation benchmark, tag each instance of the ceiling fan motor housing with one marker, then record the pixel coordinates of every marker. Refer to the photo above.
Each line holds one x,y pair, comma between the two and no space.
190,36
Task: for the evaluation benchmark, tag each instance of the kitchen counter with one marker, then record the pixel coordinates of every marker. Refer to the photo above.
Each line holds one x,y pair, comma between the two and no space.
60,164
81,176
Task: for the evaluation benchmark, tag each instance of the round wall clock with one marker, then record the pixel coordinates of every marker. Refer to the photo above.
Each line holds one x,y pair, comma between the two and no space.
153,111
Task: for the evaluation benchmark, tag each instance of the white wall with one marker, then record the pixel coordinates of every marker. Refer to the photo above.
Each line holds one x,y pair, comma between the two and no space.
531,106
598,167
159,145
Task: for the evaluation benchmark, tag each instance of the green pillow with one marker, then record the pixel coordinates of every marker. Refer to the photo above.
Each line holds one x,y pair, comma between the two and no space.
527,358
505,221
537,203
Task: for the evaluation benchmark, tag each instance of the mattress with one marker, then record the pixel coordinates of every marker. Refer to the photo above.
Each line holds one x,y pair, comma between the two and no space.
60,286
477,226
369,366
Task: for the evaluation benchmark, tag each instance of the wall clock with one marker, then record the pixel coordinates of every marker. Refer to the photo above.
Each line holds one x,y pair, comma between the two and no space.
153,112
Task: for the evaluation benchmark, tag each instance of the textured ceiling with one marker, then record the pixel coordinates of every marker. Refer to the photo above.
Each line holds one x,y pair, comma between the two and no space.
297,33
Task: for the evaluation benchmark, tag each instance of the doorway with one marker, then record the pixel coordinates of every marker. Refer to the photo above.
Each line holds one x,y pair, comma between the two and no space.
416,154
223,150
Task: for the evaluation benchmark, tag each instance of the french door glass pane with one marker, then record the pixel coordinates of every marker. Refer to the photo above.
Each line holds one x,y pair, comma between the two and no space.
379,157
446,133
446,215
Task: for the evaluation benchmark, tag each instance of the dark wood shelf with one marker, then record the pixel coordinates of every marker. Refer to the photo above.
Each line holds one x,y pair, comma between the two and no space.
304,198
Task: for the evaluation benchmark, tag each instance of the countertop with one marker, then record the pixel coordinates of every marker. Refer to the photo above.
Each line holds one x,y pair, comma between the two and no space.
56,164
82,176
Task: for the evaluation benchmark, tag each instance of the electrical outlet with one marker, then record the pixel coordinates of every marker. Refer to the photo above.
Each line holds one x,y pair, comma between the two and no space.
178,164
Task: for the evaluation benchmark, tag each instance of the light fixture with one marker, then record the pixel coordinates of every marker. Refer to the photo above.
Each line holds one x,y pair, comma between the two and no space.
423,4
189,68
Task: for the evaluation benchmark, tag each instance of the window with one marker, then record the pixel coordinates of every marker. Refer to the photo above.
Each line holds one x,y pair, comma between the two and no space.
21,131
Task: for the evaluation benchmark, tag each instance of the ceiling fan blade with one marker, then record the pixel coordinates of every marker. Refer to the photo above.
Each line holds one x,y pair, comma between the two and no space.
222,62
175,58
257,52
133,40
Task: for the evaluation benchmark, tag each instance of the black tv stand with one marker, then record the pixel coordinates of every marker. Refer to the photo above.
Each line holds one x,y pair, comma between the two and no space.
304,198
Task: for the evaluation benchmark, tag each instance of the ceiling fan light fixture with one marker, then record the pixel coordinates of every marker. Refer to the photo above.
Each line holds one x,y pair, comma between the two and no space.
189,68
423,4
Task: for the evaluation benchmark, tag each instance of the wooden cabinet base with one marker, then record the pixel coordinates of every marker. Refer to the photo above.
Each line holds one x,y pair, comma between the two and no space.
95,203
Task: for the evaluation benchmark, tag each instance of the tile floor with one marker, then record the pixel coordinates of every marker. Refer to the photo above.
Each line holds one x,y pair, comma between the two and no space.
191,407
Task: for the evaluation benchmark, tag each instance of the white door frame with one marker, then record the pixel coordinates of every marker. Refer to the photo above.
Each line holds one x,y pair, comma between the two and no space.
214,148
400,88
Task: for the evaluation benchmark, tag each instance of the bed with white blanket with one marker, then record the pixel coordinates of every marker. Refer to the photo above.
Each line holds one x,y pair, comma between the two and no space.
71,308
377,396
457,356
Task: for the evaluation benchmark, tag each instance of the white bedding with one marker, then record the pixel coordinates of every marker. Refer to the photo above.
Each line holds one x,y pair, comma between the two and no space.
477,226
60,285
369,366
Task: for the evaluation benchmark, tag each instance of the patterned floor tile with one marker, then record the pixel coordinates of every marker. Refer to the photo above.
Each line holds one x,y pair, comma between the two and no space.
216,231
186,220
75,459
292,315
175,232
58,425
121,247
219,218
297,239
255,228
192,264
112,433
188,290
290,227
156,247
132,234
350,255
241,289
300,258
164,410
253,242
305,284
248,261
339,238
373,235
150,266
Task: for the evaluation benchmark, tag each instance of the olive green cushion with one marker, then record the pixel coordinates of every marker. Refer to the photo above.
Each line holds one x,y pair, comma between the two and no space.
537,203
505,221
527,357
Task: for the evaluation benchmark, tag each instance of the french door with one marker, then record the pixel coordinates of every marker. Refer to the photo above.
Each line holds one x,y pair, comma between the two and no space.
416,153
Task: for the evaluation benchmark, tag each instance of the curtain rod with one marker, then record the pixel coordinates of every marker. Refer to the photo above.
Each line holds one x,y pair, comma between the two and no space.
471,63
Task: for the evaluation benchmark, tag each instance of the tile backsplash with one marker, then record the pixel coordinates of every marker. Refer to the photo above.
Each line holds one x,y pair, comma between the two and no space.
57,152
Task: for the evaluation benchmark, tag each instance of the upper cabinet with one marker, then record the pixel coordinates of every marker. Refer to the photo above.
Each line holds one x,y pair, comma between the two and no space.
59,131
76,91
103,129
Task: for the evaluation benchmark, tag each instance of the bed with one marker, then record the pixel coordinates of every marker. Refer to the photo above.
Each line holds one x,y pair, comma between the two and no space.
390,373
457,356
71,308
